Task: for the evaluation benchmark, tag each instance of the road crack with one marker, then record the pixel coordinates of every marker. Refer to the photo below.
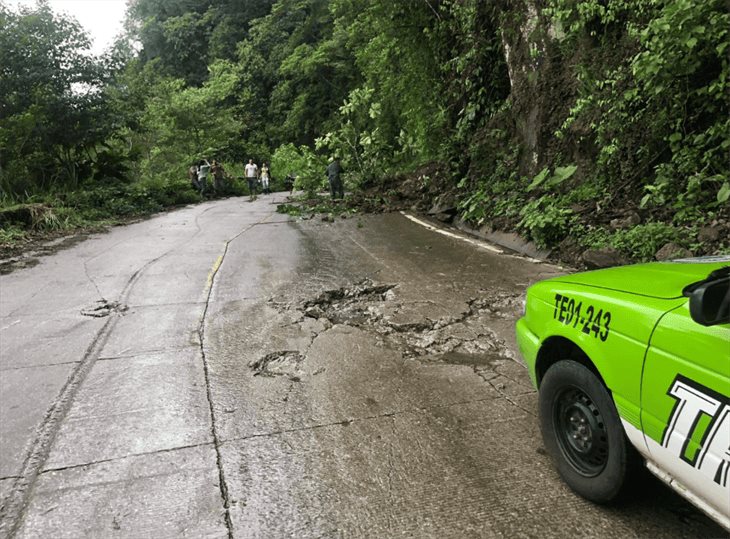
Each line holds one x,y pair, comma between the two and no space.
93,281
124,457
460,339
225,497
500,390
391,470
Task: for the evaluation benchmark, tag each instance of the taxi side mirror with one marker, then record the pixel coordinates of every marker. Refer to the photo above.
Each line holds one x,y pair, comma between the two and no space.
709,303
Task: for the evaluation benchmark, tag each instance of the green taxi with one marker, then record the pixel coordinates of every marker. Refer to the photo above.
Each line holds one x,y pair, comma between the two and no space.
632,365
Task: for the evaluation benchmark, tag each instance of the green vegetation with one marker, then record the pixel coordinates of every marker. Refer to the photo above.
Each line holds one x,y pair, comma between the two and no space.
303,164
556,121
309,206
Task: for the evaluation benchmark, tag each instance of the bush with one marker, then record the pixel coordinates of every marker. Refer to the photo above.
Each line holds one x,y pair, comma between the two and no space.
308,167
545,221
640,242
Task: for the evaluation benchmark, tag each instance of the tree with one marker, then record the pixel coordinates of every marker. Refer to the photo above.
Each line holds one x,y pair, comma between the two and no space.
185,36
52,114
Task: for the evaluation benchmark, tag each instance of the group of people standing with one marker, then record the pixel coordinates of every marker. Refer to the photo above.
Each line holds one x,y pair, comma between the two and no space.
199,172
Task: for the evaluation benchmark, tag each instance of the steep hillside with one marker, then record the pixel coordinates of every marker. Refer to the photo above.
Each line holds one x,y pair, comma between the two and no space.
583,125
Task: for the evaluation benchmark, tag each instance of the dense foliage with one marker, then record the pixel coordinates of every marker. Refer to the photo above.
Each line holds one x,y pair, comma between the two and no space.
552,118
53,115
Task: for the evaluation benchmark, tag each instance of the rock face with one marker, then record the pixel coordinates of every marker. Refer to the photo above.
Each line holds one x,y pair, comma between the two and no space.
444,208
630,220
444,204
672,250
541,82
708,234
603,258
445,217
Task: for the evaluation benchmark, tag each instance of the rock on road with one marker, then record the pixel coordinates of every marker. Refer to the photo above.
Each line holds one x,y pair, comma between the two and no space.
224,371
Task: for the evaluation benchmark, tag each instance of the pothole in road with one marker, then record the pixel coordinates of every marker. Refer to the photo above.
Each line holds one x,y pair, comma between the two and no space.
103,308
354,306
283,363
455,339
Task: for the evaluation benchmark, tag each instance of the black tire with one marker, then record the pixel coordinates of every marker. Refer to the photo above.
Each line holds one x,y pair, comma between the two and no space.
582,432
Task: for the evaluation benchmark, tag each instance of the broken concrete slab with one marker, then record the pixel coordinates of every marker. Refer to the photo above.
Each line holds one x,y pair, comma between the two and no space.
344,374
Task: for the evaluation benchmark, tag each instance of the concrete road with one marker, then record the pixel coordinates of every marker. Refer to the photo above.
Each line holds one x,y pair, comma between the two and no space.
222,371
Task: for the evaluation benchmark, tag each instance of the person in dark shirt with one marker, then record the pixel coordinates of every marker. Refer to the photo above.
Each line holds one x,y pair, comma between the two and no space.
218,175
289,182
334,171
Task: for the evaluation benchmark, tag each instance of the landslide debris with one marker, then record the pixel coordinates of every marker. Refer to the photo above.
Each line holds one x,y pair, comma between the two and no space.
283,363
376,308
355,305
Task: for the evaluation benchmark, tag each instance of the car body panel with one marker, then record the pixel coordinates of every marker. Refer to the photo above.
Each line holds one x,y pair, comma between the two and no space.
659,364
686,414
664,280
616,343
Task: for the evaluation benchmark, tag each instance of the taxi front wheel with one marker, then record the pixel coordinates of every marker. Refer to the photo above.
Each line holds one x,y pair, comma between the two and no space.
582,432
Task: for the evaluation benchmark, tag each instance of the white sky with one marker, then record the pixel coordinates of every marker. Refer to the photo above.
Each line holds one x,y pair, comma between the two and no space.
102,19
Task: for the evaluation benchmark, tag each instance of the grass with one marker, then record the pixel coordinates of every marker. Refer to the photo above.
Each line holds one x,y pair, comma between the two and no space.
93,207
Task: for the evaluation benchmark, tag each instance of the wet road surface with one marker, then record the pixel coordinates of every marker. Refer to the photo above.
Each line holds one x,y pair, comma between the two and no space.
223,371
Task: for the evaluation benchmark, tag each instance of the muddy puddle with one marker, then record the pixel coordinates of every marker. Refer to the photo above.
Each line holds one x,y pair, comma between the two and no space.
9,266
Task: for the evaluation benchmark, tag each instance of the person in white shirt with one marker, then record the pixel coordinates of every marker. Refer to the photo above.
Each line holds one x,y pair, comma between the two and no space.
203,171
252,172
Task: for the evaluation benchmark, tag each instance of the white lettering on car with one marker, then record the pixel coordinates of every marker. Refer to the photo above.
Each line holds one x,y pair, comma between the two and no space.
714,460
694,401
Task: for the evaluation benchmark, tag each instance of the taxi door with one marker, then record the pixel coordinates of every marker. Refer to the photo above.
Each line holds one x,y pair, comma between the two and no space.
685,400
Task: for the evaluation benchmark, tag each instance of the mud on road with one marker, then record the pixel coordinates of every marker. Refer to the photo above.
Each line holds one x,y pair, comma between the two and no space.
377,391
461,339
223,371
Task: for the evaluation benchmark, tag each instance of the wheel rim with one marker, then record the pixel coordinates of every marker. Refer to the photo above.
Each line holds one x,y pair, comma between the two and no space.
581,432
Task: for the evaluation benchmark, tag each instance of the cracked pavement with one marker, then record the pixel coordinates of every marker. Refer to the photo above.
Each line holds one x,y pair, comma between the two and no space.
224,371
